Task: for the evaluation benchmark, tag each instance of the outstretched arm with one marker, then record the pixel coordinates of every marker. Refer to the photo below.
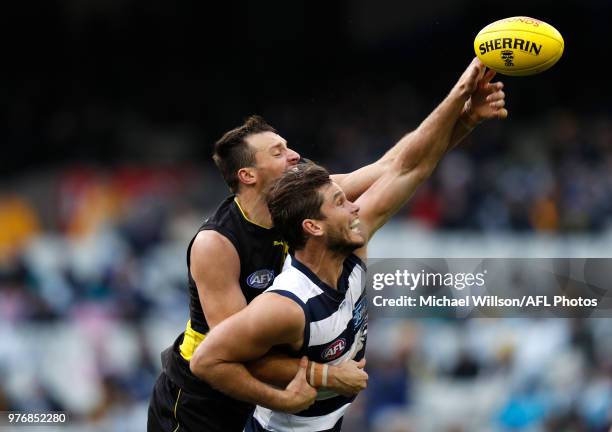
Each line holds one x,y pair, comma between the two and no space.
269,320
416,161
484,103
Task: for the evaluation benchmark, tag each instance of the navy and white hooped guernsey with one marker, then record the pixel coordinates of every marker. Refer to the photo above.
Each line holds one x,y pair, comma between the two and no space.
335,330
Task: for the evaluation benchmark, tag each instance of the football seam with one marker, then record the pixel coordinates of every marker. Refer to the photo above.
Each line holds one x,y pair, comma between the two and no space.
552,60
516,30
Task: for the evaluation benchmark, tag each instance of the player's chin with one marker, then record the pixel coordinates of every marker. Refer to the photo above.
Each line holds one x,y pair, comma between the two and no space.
358,240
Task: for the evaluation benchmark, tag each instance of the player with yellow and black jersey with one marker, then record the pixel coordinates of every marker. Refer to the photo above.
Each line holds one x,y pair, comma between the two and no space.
234,257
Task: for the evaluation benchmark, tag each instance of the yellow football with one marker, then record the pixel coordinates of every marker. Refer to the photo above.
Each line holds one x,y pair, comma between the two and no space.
519,46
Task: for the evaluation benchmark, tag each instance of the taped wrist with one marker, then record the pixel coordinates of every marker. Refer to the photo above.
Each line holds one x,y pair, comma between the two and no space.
317,374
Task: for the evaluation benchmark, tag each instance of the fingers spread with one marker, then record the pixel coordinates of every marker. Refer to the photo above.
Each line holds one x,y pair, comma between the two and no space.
494,87
488,76
493,97
476,61
481,71
474,74
498,104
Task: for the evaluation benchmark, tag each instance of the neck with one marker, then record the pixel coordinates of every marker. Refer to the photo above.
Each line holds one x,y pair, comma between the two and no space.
327,265
254,207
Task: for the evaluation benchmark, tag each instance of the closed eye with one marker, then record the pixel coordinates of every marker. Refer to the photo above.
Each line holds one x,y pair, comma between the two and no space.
278,150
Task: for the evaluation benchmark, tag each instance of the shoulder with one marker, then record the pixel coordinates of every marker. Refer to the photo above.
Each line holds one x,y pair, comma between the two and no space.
225,220
212,241
293,284
225,207
215,248
278,304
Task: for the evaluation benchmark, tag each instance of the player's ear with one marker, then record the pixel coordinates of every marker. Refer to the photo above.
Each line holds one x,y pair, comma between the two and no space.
247,175
313,227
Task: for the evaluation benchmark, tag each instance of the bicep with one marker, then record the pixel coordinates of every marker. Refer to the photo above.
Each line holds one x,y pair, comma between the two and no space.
234,340
249,334
215,268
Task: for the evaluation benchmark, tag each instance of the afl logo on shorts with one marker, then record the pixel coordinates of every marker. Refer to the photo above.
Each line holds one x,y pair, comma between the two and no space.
260,279
335,350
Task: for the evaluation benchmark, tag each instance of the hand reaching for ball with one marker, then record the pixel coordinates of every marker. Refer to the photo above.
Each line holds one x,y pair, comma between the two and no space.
487,101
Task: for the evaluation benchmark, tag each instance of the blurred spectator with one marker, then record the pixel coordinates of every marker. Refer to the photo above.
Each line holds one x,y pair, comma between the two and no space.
465,367
527,406
19,223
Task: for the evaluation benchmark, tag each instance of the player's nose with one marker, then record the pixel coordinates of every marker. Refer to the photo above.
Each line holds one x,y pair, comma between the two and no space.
293,157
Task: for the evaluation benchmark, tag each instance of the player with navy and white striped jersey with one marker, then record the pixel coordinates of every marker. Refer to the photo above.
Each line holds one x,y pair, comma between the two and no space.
336,323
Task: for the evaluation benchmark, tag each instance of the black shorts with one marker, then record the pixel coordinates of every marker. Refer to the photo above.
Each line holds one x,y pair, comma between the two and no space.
173,409
182,403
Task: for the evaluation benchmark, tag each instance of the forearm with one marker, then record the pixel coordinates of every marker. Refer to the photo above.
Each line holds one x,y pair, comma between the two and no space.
279,369
471,100
486,102
235,380
414,164
394,151
357,182
432,138
463,127
274,369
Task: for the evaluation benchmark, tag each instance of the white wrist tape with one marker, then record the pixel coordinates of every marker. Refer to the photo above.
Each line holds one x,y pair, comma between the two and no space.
324,383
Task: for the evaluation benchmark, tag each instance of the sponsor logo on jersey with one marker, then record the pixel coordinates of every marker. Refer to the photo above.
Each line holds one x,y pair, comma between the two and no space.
335,350
260,279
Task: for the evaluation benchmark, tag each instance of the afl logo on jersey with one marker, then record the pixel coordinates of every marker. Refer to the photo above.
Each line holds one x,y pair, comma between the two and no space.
260,279
335,350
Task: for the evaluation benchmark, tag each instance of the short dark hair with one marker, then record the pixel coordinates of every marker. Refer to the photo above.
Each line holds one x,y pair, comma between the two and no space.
232,151
295,196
